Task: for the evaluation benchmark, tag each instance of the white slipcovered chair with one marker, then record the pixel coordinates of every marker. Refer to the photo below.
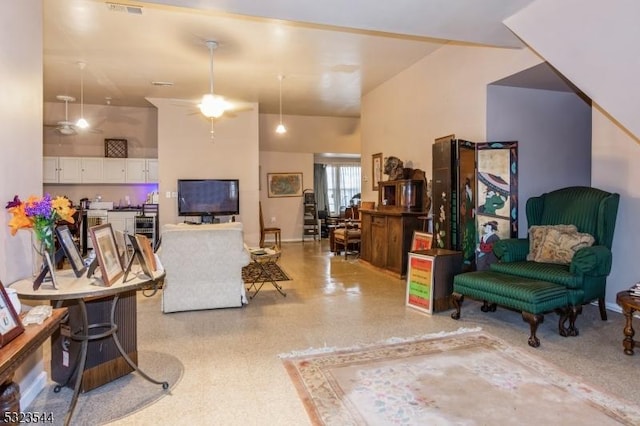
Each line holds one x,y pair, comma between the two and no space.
203,265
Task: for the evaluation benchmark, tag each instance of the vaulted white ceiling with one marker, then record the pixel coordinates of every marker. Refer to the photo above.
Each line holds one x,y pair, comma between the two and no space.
331,52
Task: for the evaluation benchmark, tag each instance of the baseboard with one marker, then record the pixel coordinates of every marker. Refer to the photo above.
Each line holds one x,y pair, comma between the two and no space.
30,389
610,306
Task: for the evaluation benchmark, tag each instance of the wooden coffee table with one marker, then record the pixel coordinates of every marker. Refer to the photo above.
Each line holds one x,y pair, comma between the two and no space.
629,304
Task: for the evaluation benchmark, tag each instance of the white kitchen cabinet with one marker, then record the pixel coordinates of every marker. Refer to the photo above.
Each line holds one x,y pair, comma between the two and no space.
50,169
69,170
114,170
99,170
142,170
92,170
152,170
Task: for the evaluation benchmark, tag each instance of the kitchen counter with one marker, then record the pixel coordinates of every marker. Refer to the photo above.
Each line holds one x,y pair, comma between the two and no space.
126,209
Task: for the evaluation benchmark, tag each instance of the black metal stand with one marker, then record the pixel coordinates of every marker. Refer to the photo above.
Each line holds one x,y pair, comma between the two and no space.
264,275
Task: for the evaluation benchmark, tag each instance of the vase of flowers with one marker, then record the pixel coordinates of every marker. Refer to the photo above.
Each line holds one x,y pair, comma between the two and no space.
40,214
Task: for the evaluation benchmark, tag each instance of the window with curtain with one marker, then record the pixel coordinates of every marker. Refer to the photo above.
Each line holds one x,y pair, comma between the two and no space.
343,183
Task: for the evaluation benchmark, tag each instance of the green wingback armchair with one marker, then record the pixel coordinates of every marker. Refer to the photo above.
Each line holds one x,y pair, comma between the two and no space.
592,211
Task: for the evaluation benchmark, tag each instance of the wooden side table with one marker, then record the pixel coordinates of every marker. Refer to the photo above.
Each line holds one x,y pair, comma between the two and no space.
629,305
14,354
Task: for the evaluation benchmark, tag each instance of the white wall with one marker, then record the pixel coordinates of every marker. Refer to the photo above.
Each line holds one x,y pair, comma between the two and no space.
553,130
287,211
21,162
594,44
312,134
139,126
444,93
294,152
616,168
186,151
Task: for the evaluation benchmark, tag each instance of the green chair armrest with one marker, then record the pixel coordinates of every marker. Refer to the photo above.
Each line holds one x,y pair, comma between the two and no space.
594,260
511,250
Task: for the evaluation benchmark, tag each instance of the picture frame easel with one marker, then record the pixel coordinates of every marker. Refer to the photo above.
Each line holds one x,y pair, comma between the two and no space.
106,249
10,324
70,250
140,253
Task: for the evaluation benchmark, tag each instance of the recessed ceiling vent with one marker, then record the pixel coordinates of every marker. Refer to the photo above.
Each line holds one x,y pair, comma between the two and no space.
115,7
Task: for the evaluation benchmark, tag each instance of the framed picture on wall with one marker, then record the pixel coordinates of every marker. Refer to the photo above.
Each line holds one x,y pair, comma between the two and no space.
376,170
284,185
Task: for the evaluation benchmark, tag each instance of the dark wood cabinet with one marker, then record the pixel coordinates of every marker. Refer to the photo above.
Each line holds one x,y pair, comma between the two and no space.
386,238
402,195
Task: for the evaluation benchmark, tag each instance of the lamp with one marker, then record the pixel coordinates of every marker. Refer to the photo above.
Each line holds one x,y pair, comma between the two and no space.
82,123
281,129
212,106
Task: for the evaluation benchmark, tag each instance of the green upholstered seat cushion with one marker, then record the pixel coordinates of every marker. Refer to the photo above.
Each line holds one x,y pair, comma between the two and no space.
519,293
552,272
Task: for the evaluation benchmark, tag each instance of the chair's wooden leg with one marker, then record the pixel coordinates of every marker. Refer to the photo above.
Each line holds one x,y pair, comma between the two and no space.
563,312
457,303
603,309
488,307
534,321
261,240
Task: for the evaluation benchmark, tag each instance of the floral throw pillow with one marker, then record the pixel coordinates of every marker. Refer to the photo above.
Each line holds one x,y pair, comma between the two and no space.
537,234
559,247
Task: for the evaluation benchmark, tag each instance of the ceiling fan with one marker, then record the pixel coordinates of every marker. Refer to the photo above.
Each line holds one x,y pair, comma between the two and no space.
65,127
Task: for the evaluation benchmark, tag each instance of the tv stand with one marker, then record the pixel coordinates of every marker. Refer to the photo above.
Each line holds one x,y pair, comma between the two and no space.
209,219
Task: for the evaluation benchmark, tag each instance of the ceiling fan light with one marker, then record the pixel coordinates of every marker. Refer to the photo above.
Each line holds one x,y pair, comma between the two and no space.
66,130
212,106
281,129
82,123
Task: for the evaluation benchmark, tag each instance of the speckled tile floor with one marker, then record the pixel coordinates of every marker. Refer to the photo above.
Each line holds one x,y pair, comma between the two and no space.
232,373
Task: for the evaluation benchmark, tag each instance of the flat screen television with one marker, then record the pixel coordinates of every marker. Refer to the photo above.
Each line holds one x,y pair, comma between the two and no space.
208,197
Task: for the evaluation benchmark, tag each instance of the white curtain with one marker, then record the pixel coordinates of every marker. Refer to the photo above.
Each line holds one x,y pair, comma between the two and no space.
343,183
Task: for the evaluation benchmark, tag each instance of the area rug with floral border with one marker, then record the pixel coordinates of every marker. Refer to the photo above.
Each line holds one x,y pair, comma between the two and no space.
467,377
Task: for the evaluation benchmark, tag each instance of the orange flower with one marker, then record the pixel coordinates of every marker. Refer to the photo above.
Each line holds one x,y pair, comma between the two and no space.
19,220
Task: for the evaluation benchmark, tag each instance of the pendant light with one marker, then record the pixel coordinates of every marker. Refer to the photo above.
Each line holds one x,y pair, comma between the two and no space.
82,123
281,129
212,106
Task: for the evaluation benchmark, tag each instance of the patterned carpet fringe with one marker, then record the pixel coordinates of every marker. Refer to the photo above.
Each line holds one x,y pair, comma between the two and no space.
389,341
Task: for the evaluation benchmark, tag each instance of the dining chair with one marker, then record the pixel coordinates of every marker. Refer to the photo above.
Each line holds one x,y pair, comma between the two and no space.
270,230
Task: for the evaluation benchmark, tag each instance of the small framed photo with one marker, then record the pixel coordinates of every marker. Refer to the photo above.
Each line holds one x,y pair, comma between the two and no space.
143,252
284,185
70,250
10,324
376,167
104,244
421,241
